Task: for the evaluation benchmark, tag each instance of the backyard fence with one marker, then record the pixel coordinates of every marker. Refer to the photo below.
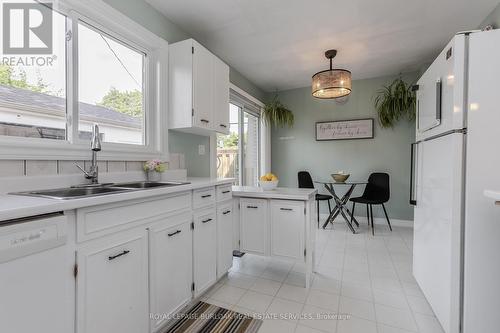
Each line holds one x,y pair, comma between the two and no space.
227,163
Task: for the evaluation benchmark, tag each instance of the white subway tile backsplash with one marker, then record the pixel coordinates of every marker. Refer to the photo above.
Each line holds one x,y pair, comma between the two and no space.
17,168
117,166
182,161
134,166
69,167
103,165
41,168
11,168
174,163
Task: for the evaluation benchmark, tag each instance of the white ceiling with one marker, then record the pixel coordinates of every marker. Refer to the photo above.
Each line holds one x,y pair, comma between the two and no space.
279,44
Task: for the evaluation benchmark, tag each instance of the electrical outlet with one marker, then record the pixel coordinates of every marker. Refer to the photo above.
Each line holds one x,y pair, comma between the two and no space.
201,149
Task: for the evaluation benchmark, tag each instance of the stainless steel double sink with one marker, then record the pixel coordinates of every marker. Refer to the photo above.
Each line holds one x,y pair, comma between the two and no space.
85,191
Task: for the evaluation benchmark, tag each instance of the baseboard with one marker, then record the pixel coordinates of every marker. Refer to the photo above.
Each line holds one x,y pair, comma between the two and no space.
376,220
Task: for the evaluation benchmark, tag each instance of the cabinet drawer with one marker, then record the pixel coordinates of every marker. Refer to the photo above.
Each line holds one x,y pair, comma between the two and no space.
224,192
203,197
97,221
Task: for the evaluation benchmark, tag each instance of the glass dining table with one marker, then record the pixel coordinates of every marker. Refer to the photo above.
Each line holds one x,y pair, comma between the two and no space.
341,202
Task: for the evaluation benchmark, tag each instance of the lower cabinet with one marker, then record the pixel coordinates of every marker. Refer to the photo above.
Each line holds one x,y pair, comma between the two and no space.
224,237
205,250
170,260
112,284
287,229
253,225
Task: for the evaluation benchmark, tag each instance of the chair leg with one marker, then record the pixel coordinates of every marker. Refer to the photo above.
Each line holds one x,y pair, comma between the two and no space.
371,214
329,206
317,210
368,215
387,217
352,212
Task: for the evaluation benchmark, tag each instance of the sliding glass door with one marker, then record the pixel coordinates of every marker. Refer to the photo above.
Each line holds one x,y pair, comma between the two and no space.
238,154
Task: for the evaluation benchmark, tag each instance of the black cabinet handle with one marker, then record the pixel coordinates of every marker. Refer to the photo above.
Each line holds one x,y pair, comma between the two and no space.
222,125
204,121
206,196
287,209
206,221
174,233
224,192
253,207
226,212
119,255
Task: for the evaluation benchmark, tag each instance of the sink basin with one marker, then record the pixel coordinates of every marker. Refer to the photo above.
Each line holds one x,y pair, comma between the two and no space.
146,184
85,191
74,193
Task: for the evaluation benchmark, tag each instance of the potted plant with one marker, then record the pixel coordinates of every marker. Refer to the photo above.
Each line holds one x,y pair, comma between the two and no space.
276,114
153,170
394,102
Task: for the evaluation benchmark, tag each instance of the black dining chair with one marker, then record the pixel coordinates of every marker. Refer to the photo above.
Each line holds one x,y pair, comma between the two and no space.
305,181
376,193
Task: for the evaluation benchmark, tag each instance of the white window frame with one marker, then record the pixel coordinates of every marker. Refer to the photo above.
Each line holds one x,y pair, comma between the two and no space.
264,139
103,17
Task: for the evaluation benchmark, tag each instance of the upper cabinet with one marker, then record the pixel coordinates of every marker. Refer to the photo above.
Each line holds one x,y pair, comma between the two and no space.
198,89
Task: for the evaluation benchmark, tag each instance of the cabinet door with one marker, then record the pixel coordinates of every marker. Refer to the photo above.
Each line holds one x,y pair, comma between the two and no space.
224,238
171,264
287,229
205,250
112,284
221,96
203,87
253,225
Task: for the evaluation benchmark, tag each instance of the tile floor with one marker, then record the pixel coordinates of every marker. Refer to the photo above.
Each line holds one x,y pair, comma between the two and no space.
366,278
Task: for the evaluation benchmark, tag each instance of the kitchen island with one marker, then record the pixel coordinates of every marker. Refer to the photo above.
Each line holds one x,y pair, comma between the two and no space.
277,223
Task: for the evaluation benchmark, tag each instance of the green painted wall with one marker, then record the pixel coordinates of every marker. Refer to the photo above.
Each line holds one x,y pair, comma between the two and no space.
295,149
151,19
493,18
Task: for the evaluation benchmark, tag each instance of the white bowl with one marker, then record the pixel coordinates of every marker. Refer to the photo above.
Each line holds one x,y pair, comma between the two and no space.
268,185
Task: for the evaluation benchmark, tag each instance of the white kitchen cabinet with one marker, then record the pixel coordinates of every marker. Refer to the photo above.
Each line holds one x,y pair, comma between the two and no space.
224,237
254,226
198,89
204,250
171,265
287,228
112,284
221,96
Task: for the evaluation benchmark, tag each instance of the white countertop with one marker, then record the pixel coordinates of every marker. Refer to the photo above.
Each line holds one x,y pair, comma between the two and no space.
495,195
17,206
285,193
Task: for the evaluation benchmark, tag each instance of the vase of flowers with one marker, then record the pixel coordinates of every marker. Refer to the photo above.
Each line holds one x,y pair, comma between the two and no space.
153,170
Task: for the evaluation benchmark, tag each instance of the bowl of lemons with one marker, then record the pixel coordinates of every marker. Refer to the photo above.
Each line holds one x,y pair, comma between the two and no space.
268,182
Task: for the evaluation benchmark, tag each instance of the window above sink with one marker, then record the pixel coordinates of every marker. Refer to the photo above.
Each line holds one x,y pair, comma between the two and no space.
106,69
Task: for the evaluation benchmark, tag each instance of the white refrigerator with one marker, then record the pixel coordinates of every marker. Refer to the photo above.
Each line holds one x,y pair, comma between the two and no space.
454,160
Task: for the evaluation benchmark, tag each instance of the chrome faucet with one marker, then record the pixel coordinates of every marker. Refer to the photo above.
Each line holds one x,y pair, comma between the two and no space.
95,145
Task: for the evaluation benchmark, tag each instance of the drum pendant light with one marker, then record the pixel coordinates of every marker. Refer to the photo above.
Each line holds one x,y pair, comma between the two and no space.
332,83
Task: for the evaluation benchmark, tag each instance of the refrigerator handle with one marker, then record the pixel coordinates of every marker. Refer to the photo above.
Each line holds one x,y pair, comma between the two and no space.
413,197
438,99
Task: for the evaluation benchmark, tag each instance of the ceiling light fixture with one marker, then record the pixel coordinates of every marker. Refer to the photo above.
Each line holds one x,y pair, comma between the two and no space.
332,83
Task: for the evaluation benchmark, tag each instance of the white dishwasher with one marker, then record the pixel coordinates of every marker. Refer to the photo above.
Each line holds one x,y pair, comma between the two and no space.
35,282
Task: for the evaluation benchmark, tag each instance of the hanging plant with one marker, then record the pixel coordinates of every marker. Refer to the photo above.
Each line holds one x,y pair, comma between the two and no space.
276,114
394,102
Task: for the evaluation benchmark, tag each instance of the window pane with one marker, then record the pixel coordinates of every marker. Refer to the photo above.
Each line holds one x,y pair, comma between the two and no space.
227,148
251,149
33,86
110,88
